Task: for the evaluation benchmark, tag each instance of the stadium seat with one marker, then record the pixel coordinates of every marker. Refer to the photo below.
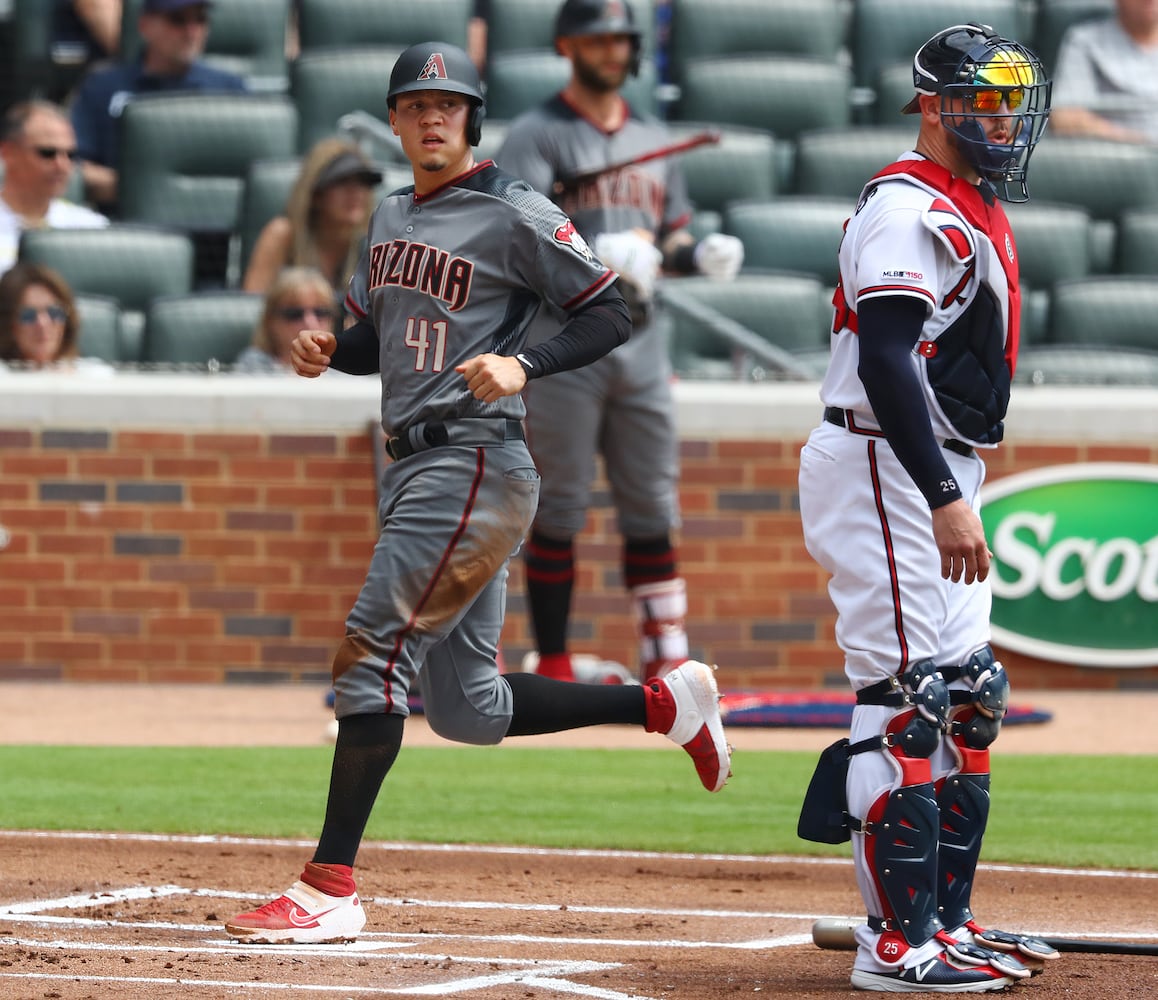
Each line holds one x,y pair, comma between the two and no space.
100,328
325,85
893,89
184,157
401,23
1107,310
530,24
742,27
267,188
36,67
838,162
1105,178
130,263
246,37
1054,242
1137,250
200,328
744,164
783,94
1054,17
1086,364
885,32
792,233
1034,315
787,310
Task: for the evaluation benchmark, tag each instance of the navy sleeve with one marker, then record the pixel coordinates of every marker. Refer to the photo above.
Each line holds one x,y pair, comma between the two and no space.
888,328
357,350
593,331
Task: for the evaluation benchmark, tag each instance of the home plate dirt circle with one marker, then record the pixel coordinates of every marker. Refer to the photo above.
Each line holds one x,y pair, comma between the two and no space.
86,916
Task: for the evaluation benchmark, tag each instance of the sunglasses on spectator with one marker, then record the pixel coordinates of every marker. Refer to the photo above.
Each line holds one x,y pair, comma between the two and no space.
52,152
989,101
31,314
295,314
181,18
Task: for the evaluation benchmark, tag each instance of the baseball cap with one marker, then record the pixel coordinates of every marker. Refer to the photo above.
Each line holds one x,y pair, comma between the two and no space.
164,6
939,61
345,166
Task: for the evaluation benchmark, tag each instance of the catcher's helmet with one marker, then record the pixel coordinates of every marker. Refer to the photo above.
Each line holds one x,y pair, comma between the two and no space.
600,17
985,72
440,66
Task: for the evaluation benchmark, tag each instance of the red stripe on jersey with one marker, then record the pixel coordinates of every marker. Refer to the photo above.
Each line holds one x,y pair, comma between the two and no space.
959,288
605,279
896,290
890,555
958,240
353,306
454,180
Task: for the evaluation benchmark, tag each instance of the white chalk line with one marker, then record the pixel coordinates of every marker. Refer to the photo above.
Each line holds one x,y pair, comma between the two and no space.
501,849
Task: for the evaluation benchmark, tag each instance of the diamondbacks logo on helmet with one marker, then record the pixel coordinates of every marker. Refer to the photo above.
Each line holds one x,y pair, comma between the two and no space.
569,236
434,69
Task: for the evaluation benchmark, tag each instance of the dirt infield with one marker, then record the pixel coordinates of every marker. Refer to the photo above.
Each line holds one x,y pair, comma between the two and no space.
86,916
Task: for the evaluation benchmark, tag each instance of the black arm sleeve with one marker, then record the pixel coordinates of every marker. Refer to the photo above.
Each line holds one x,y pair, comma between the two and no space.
599,327
357,350
888,328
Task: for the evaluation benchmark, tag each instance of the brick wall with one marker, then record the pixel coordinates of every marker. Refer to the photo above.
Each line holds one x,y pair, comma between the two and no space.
188,556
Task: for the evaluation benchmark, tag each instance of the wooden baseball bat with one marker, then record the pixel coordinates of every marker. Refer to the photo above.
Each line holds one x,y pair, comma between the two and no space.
572,181
836,934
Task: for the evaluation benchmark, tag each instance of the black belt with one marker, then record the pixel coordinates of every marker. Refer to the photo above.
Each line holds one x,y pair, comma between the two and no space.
835,415
473,432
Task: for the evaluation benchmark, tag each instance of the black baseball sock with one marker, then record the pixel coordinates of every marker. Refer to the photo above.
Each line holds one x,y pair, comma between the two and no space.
363,754
544,705
550,565
648,560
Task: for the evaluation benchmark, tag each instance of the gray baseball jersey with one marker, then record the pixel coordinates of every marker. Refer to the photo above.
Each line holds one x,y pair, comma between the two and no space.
459,272
621,405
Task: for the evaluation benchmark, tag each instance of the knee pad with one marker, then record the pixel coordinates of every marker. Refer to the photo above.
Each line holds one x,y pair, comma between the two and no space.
929,693
988,696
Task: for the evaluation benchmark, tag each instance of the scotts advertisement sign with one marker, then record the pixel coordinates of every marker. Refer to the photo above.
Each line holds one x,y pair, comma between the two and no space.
1075,573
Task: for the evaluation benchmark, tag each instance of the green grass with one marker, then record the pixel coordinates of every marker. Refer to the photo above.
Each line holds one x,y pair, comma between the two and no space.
1068,811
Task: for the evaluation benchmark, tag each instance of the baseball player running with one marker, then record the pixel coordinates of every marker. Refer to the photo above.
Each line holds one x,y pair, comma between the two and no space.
455,268
620,406
923,349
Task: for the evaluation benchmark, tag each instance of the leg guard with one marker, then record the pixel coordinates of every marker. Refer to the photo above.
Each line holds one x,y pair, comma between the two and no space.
660,612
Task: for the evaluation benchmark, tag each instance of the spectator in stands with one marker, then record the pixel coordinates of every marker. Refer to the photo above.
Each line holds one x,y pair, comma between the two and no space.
38,147
39,323
476,34
300,298
173,36
325,220
1107,76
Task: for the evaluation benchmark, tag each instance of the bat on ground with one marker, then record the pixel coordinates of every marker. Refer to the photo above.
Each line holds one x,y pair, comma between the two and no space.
836,933
572,181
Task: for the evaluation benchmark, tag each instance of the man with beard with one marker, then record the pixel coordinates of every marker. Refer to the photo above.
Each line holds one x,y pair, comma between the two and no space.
620,406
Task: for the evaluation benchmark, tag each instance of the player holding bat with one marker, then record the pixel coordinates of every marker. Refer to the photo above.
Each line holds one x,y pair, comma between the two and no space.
621,406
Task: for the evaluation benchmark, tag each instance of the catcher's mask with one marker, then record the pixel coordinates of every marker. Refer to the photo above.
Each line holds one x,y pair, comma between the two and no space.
439,66
979,75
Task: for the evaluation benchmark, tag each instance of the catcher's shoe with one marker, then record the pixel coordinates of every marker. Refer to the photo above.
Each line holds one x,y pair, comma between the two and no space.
684,705
1024,946
938,974
302,915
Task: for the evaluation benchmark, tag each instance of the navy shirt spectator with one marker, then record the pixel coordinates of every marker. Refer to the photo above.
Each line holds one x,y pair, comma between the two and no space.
173,35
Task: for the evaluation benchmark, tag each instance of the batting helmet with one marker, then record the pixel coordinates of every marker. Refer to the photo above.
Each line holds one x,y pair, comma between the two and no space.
600,17
440,66
984,73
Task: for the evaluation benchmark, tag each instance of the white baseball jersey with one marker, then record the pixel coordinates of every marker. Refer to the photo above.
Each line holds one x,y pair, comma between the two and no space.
908,237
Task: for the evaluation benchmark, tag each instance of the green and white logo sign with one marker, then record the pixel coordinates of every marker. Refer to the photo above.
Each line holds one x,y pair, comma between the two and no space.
1075,573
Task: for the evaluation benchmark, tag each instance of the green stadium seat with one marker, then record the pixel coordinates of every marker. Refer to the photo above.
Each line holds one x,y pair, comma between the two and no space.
327,84
1034,315
100,327
1086,364
838,162
745,164
401,23
792,233
1137,250
130,263
785,95
742,27
1105,178
201,328
1054,242
1111,311
267,188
